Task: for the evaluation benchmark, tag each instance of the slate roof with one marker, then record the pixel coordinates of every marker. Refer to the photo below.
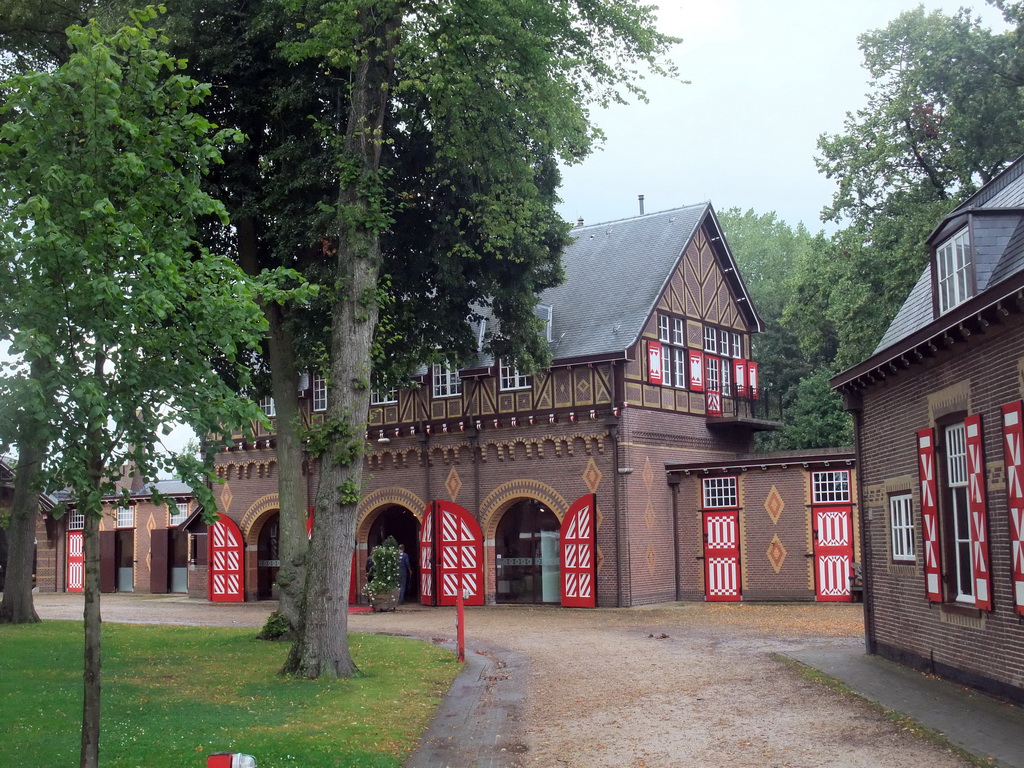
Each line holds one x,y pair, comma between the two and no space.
615,273
996,216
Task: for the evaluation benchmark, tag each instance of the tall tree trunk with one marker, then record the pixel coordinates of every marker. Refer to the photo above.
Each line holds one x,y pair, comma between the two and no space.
90,754
322,649
17,606
284,374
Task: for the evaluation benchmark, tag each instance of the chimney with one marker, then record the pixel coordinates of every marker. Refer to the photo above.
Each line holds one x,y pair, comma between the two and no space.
641,199
579,222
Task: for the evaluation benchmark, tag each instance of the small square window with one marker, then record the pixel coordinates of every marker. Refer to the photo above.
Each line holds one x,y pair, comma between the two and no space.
267,404
126,517
720,492
511,378
180,513
446,382
830,487
76,520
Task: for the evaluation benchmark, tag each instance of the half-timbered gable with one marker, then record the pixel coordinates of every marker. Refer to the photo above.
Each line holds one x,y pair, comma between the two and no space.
939,412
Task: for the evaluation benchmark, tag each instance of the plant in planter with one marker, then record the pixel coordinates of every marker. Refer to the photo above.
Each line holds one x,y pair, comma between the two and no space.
382,589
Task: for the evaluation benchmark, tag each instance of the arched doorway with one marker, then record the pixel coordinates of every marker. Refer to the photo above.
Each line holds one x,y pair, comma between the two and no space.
399,522
527,555
268,558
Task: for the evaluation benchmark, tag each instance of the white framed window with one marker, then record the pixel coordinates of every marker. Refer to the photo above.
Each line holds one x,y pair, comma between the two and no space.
126,517
446,382
664,322
76,520
678,332
679,367
319,392
711,378
726,378
180,513
720,492
953,261
901,525
511,378
737,346
710,340
383,397
956,482
830,487
547,315
267,404
723,343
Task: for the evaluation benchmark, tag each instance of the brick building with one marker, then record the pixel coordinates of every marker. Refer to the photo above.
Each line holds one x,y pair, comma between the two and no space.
938,411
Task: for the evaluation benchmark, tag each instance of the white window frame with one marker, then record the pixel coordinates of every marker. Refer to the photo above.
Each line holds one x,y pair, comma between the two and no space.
679,360
664,334
959,514
726,377
268,406
546,313
678,332
720,492
710,339
76,520
511,379
901,527
319,393
723,343
712,371
180,515
737,346
953,264
383,397
446,381
830,486
125,516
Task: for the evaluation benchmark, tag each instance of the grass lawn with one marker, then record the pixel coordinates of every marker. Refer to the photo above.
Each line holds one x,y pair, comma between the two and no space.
173,695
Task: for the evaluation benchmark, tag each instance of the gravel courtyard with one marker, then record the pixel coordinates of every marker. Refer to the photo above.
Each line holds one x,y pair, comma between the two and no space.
686,684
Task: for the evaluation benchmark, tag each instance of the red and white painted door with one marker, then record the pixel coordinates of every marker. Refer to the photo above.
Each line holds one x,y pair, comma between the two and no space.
833,552
722,555
579,561
76,561
227,557
451,556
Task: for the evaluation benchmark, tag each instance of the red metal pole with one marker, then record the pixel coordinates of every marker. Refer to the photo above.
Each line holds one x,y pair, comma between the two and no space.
460,624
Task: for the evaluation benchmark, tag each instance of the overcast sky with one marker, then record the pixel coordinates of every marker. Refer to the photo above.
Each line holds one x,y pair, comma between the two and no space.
767,77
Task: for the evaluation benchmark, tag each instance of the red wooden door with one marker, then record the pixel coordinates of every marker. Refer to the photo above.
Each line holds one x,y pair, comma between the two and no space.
427,556
579,561
76,561
833,553
460,549
722,555
227,580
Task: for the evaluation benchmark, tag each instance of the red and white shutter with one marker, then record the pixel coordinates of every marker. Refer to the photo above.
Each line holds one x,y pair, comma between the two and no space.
752,380
76,561
740,376
696,370
427,556
978,510
722,555
227,581
460,555
833,552
929,514
1013,443
655,366
579,561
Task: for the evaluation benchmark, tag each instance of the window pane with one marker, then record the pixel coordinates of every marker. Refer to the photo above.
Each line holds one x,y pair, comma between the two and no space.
720,492
830,487
663,321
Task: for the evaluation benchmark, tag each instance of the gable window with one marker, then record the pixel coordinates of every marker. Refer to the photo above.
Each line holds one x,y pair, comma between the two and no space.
547,315
737,346
319,393
901,525
267,404
710,340
671,337
664,322
831,487
383,396
446,382
511,378
76,521
953,262
720,492
126,517
677,331
959,518
180,513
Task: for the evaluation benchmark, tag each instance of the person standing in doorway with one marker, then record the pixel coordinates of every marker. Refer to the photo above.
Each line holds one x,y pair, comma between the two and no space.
404,570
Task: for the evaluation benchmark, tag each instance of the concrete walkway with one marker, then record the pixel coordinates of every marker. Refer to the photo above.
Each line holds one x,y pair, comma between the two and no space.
986,728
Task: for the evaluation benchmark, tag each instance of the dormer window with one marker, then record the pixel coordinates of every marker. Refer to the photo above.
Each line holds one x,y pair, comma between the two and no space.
953,264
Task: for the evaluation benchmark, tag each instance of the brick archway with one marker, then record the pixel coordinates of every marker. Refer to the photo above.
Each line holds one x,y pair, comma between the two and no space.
499,500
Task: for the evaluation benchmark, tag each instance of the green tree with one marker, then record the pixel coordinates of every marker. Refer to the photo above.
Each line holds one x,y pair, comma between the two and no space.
122,315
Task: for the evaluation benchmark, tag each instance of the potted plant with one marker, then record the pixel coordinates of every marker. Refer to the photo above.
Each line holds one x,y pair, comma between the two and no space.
382,588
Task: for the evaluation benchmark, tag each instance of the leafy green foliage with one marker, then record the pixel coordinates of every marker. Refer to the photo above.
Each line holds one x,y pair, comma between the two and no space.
385,568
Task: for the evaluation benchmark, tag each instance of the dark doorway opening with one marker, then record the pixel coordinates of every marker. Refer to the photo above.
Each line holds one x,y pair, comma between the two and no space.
402,524
268,558
527,555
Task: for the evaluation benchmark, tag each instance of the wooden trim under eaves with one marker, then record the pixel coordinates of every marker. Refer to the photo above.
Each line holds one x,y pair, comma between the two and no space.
839,457
972,317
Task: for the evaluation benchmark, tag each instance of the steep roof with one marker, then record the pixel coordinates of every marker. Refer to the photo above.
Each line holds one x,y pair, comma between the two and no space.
616,271
995,215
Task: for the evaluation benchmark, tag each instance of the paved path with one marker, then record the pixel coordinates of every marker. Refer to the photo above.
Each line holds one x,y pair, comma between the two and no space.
677,685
